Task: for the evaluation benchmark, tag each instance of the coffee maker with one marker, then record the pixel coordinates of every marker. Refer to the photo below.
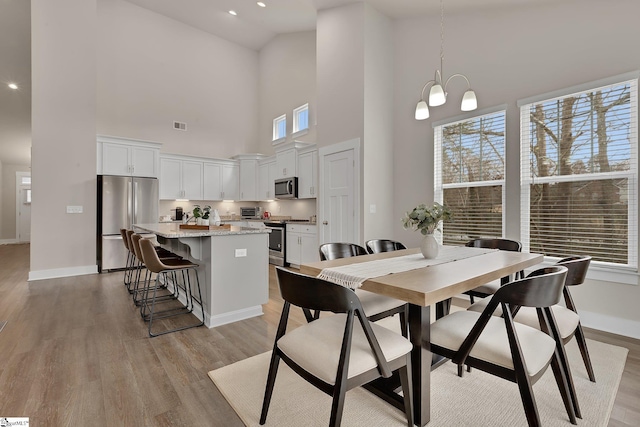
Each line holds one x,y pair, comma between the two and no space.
179,214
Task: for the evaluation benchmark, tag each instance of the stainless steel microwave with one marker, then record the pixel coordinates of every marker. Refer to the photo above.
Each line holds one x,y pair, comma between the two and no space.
286,188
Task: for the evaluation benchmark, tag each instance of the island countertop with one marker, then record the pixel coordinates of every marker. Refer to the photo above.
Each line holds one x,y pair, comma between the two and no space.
173,231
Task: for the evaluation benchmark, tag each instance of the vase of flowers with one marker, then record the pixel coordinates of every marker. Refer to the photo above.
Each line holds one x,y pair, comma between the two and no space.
427,219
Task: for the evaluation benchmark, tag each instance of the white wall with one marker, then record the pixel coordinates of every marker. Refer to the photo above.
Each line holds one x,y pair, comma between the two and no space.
287,80
510,54
153,70
63,137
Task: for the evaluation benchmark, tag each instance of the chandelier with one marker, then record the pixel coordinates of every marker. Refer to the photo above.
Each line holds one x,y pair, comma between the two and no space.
438,92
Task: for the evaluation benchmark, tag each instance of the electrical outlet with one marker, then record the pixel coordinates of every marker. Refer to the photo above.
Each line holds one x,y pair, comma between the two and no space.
241,253
74,209
372,208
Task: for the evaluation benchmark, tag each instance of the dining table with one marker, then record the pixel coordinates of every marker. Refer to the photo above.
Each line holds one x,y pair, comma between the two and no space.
423,287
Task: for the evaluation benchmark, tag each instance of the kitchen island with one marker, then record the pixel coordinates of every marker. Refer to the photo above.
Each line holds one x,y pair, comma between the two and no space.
234,267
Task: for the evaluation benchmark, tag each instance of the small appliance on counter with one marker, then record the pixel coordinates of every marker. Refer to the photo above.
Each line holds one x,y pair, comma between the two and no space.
179,214
251,213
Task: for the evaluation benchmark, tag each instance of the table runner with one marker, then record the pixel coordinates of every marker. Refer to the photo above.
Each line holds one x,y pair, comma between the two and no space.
353,275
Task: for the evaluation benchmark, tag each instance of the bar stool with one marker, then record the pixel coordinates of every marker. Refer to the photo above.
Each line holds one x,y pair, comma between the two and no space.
168,270
129,266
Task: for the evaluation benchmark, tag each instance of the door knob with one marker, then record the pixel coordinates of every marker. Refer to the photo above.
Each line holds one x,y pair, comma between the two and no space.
325,222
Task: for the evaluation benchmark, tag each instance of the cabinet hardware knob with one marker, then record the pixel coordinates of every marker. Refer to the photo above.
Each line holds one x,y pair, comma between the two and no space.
325,222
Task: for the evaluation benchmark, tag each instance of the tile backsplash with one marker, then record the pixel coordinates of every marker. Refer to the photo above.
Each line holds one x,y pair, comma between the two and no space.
297,209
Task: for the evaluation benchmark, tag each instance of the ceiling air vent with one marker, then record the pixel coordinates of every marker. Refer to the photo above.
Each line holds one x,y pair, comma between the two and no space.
179,126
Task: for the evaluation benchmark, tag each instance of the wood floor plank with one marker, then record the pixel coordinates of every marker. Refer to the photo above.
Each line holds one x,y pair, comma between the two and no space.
75,352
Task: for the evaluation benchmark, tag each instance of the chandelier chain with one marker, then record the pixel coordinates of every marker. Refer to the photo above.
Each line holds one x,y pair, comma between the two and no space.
441,33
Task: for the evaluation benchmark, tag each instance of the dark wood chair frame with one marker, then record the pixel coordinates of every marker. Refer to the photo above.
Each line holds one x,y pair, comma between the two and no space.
330,251
376,246
316,294
541,289
503,245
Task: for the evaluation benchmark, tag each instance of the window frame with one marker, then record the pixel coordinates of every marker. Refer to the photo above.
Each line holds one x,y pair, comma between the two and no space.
439,187
599,270
296,120
277,138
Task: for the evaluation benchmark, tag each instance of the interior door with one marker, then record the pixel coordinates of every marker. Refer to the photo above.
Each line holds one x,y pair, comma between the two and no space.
339,211
23,203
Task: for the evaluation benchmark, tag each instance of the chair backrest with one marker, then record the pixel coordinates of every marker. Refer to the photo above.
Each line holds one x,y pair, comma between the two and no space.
330,251
377,246
577,266
315,294
502,244
541,288
130,233
134,242
149,255
125,240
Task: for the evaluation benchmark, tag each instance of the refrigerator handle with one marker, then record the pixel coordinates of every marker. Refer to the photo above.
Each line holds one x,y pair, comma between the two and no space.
135,202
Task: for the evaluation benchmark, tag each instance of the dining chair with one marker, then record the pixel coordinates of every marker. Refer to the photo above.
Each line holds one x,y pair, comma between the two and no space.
376,306
566,316
336,353
376,246
490,288
507,349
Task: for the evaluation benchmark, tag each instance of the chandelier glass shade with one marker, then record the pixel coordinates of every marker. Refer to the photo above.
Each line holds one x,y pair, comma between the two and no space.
438,91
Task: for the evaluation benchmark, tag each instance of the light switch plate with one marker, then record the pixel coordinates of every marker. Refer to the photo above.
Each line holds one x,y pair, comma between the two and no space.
241,253
74,209
372,208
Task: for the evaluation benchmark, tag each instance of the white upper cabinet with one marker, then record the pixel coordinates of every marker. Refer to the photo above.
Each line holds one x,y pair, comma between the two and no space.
221,181
286,163
128,157
180,178
248,176
266,176
308,175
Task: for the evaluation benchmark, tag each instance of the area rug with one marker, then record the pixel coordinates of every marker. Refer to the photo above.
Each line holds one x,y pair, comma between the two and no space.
477,399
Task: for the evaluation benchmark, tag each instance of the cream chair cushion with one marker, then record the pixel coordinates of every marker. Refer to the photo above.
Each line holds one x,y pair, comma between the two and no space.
316,347
566,319
493,344
373,303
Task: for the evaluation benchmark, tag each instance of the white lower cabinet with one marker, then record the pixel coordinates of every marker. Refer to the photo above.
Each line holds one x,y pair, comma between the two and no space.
302,243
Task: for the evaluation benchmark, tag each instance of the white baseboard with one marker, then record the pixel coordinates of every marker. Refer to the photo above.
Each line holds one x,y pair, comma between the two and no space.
62,272
9,241
614,325
232,316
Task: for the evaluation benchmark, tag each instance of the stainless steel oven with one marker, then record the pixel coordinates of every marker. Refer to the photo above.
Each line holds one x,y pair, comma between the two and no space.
277,242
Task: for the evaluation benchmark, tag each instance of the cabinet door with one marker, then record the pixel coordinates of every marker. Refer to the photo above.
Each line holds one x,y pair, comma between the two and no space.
308,175
286,161
266,173
212,181
230,182
144,162
170,179
192,179
115,159
293,248
248,179
309,247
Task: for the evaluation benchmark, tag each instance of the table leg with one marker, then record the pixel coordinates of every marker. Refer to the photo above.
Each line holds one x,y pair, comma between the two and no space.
419,324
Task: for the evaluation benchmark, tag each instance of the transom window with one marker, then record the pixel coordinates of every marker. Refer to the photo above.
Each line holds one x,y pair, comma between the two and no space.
280,127
301,118
469,176
579,165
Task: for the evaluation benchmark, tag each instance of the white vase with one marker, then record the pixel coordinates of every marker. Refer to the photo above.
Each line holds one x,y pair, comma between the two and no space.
216,217
204,221
429,246
198,221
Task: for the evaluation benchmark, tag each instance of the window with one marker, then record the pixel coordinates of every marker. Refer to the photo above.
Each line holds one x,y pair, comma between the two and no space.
579,166
301,118
280,127
25,180
469,176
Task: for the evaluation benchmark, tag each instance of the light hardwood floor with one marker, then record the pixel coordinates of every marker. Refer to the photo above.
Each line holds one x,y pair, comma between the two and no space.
75,352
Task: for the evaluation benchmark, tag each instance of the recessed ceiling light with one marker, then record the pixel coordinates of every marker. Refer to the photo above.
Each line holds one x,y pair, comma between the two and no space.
13,86
261,4
233,12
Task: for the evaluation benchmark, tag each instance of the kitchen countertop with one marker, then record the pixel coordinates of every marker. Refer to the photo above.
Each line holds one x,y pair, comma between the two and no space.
173,231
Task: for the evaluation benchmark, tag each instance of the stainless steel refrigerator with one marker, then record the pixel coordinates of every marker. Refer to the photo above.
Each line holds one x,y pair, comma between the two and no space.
122,202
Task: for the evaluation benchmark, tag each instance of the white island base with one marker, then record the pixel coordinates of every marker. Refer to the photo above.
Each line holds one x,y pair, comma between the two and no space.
233,272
